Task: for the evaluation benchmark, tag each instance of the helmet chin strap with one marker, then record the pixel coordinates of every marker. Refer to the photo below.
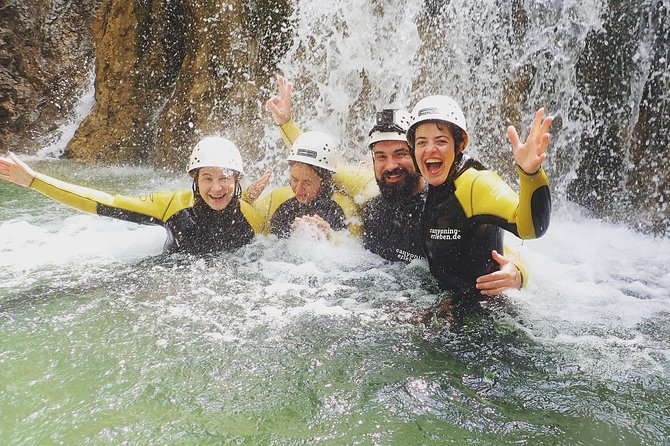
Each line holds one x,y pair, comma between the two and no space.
455,167
194,187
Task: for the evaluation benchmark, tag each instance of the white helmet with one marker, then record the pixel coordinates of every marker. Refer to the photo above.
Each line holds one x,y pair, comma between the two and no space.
316,149
391,125
437,108
215,151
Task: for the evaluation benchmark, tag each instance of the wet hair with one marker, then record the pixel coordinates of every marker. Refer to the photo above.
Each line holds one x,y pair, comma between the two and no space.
326,176
457,133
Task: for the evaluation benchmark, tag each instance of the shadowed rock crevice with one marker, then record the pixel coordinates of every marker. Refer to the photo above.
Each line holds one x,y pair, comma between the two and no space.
45,59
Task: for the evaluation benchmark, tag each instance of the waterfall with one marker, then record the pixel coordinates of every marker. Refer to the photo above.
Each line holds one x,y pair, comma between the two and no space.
501,61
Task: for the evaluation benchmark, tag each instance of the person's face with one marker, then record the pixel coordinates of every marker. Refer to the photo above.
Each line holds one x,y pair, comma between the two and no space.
434,150
392,162
216,186
306,184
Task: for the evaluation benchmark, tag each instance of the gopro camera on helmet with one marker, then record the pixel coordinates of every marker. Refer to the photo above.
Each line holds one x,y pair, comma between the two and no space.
390,125
389,120
386,118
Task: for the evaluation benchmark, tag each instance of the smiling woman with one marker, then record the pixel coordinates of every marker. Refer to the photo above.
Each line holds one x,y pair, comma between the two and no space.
312,199
208,218
468,206
216,186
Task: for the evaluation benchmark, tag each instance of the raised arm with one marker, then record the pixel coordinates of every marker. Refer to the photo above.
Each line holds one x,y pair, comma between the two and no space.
281,108
147,209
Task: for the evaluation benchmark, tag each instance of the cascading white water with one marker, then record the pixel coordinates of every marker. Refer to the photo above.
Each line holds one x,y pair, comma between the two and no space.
59,140
351,58
301,342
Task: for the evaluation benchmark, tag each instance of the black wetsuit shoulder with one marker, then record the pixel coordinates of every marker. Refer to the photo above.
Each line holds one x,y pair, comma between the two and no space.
200,229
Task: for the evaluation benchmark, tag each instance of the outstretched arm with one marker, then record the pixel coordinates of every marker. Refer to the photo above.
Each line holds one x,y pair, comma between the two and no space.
16,171
149,209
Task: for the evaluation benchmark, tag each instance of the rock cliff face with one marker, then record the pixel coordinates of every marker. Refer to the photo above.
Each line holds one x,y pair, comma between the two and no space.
46,54
166,72
171,71
623,71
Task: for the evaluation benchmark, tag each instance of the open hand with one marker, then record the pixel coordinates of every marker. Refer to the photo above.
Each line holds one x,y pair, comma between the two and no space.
256,188
281,106
507,277
314,221
16,171
531,154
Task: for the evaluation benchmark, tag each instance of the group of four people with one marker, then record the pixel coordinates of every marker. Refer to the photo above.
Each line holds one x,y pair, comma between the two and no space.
432,201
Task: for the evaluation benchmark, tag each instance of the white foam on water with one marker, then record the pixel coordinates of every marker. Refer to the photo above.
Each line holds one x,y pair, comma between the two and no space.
76,240
595,290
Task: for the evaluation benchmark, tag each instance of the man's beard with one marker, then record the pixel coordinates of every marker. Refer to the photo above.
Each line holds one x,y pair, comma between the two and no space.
400,191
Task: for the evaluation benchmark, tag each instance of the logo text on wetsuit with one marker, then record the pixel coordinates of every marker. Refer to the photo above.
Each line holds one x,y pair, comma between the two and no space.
406,256
445,234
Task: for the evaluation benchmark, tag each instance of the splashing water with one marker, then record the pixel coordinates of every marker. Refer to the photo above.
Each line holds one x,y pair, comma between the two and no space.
299,341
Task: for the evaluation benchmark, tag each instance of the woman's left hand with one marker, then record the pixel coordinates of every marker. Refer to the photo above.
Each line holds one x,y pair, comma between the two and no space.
531,154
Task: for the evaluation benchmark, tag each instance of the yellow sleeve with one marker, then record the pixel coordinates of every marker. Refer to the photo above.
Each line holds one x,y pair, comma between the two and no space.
268,204
245,196
289,132
483,192
252,215
160,206
356,182
352,216
533,215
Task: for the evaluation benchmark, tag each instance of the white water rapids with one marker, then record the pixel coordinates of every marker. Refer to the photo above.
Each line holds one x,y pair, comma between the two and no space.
106,341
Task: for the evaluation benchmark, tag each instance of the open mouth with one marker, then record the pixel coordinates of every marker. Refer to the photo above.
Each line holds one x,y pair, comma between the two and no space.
433,165
218,198
302,198
394,175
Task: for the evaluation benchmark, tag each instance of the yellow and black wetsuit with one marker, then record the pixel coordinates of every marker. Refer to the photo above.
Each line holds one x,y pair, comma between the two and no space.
192,226
280,208
463,221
